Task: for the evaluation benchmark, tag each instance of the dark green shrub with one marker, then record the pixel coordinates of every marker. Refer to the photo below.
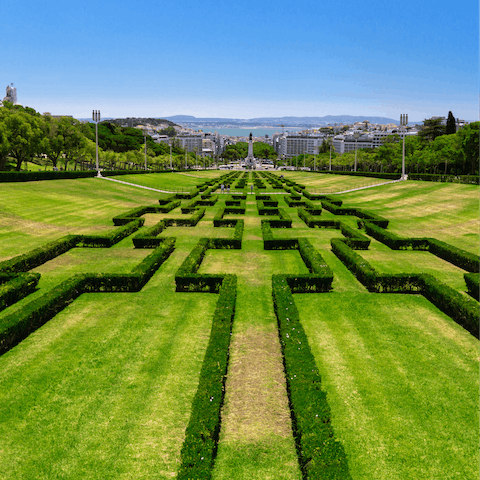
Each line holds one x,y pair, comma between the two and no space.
111,238
201,437
320,454
17,287
472,281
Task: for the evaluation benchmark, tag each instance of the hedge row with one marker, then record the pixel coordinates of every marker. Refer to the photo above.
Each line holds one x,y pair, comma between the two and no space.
186,277
186,222
187,195
461,258
473,287
17,287
111,238
40,255
18,325
270,243
201,437
320,454
337,209
462,309
321,276
45,175
386,176
226,243
428,177
148,238
353,238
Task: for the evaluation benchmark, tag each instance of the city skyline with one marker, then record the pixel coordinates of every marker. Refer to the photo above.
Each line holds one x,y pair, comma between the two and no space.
244,60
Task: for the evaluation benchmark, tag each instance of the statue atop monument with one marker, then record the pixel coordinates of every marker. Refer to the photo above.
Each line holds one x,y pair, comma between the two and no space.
11,96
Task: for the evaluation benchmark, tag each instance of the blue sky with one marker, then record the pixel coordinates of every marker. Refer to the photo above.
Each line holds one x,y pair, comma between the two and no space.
243,59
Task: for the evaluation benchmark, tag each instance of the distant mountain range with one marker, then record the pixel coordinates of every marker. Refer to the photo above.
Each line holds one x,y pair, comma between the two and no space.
295,121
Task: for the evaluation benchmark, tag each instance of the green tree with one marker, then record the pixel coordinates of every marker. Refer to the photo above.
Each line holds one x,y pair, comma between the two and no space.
468,137
432,128
451,125
24,134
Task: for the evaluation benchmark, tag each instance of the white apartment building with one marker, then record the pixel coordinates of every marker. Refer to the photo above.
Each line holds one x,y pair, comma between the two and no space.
191,143
292,145
346,143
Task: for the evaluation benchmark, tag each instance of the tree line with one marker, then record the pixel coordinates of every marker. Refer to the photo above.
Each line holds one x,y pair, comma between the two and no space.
437,149
27,137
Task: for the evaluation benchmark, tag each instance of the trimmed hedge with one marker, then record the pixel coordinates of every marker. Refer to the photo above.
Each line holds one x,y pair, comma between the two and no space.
473,287
148,238
462,309
40,255
14,288
187,195
45,175
429,177
112,237
461,258
186,277
199,448
17,326
270,243
320,454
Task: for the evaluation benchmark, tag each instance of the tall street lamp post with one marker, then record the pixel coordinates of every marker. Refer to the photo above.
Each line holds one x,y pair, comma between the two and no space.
96,119
356,135
330,141
171,164
403,123
145,137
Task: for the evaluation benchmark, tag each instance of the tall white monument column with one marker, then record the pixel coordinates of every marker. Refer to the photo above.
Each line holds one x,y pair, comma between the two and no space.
250,160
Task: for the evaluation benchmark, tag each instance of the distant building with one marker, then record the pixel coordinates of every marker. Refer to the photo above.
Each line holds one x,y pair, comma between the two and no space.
290,145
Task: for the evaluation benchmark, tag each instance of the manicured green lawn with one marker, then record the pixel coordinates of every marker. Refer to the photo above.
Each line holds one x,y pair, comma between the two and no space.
175,182
104,390
402,381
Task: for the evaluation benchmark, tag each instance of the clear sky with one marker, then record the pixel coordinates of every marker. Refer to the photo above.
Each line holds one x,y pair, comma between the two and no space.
243,59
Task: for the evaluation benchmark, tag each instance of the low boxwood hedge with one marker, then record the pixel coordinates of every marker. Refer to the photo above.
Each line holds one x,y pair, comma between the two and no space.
111,238
17,287
320,454
18,325
462,309
201,437
472,282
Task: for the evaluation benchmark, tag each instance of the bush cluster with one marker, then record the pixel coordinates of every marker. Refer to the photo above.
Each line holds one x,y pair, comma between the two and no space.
320,454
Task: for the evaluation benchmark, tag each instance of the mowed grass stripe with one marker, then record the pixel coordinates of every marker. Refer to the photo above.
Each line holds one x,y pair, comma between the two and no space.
256,440
402,382
104,389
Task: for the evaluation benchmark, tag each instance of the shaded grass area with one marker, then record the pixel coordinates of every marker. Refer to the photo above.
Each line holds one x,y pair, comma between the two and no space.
402,383
104,389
